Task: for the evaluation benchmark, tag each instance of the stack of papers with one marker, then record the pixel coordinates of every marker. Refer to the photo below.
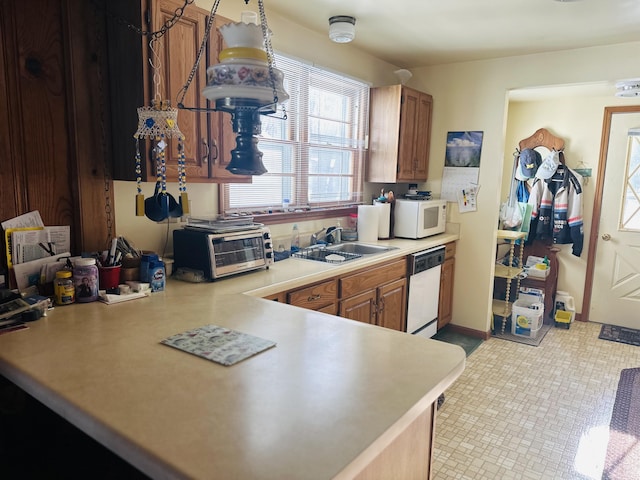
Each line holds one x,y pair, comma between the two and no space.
33,250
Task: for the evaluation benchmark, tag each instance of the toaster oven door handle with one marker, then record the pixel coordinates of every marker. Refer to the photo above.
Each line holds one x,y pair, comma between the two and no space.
253,234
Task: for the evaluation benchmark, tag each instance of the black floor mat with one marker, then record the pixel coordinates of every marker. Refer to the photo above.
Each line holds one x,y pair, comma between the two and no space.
618,334
465,341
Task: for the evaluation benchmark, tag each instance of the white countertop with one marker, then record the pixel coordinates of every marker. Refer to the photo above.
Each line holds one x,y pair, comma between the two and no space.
308,407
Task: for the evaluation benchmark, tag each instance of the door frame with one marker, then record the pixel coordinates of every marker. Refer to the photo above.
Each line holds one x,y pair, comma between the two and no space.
597,203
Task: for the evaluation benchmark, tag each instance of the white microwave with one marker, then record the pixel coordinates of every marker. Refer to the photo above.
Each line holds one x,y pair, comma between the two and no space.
419,218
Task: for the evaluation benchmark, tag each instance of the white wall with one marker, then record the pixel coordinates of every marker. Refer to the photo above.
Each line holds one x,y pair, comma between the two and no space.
474,96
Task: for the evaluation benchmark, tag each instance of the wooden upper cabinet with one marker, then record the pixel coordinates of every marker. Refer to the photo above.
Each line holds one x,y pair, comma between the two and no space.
208,135
399,134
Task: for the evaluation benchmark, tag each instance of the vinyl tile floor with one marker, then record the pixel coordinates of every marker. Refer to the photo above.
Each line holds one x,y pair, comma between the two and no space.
523,412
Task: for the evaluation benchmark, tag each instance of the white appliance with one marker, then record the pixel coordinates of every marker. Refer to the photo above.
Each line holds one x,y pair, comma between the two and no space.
424,291
419,218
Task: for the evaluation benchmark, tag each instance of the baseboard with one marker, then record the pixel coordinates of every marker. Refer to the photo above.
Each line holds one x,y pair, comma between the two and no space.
470,332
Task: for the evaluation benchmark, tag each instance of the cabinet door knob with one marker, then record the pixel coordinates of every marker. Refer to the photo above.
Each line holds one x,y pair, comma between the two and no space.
205,155
606,237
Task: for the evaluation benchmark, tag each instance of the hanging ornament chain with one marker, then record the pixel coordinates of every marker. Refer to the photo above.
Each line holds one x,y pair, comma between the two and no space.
266,34
203,45
270,60
106,165
154,35
154,61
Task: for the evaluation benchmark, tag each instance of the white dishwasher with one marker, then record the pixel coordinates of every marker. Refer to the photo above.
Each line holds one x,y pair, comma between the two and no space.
424,291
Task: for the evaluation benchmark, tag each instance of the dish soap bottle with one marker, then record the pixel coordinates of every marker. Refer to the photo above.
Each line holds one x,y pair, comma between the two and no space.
295,238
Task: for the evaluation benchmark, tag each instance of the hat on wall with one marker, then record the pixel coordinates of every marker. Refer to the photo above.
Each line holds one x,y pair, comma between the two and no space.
528,162
548,166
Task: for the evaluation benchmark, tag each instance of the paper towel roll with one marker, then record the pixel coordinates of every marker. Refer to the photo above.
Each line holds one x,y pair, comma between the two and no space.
368,223
384,219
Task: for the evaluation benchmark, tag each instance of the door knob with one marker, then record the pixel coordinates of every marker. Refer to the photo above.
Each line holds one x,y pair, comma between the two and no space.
606,237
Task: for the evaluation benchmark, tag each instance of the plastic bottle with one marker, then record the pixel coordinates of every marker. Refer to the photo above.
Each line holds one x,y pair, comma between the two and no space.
145,262
295,238
85,279
156,275
64,289
285,205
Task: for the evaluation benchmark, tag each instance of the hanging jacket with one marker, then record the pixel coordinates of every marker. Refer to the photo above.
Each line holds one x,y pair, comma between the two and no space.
557,209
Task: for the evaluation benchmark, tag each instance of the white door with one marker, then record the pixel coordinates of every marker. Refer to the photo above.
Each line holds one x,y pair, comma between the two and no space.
616,280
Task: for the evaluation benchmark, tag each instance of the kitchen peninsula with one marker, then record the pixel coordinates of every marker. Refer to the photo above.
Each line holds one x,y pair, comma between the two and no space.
333,399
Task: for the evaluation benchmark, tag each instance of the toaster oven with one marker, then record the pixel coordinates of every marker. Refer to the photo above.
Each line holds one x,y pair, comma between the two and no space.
219,255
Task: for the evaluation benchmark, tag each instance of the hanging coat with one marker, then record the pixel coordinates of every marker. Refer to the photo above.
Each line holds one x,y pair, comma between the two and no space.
557,209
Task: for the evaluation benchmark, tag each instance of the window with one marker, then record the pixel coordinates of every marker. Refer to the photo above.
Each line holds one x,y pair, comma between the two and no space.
630,219
315,158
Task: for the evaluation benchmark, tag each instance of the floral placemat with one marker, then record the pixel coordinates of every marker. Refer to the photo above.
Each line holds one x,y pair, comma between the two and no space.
219,344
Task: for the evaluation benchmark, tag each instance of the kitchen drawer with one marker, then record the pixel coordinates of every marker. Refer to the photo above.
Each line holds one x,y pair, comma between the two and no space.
449,250
316,296
372,278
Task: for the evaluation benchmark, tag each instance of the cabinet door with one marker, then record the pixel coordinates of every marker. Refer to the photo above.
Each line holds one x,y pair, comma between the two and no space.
423,138
408,134
415,135
361,308
176,53
384,128
392,305
446,292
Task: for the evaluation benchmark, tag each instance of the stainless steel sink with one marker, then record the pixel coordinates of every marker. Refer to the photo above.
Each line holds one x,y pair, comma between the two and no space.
359,248
342,252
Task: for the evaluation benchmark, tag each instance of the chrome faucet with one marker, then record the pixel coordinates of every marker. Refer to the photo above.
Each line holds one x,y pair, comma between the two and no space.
314,236
332,232
335,233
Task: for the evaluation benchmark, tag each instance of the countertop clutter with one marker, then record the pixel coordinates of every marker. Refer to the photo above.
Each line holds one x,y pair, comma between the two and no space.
327,401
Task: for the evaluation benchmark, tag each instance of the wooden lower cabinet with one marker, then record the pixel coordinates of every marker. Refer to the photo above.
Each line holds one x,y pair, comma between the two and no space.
445,302
377,295
320,296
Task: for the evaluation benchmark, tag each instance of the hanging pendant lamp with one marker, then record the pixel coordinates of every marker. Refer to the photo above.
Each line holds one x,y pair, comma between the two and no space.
244,84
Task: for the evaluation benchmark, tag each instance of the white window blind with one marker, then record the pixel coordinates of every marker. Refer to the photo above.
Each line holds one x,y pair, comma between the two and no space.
315,158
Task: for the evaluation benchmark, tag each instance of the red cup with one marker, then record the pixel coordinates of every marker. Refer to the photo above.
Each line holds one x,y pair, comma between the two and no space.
109,277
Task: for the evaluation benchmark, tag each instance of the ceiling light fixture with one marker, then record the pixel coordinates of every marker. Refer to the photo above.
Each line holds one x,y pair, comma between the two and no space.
342,28
628,88
403,75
